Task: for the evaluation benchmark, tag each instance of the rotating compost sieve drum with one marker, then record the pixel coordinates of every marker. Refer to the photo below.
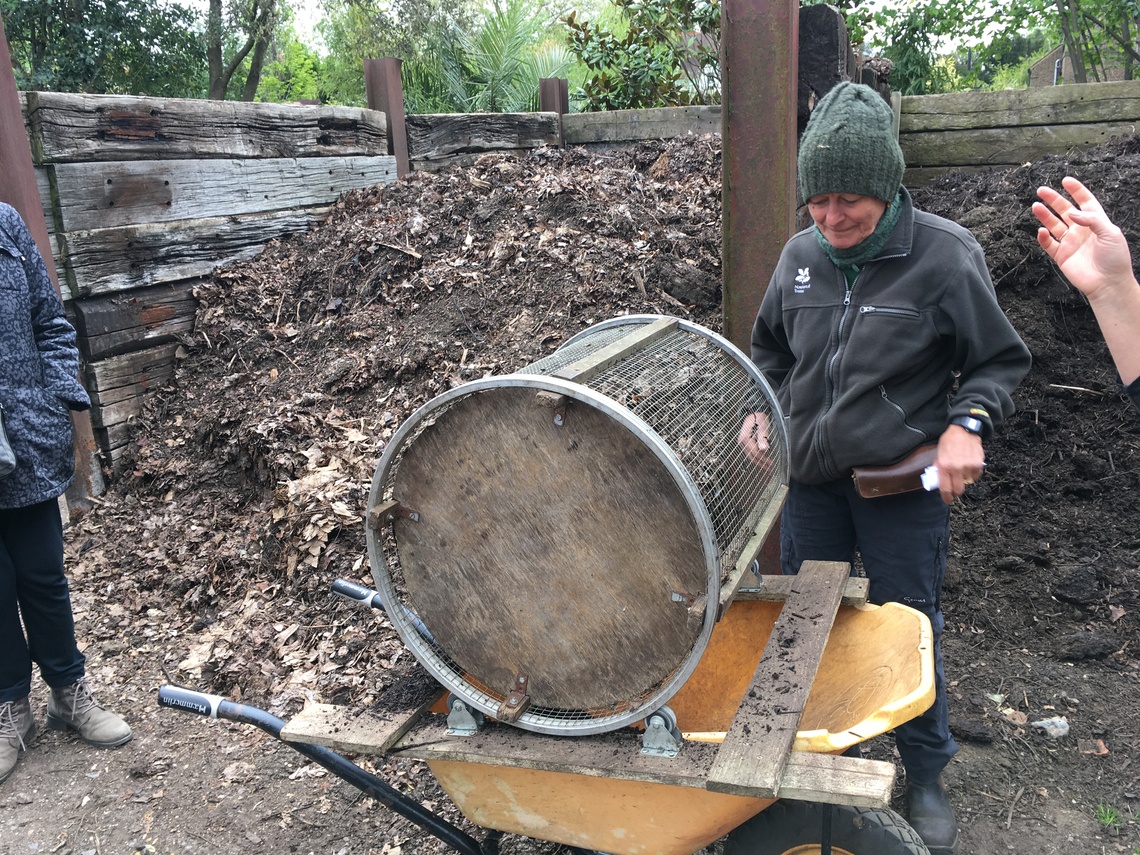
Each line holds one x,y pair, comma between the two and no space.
555,545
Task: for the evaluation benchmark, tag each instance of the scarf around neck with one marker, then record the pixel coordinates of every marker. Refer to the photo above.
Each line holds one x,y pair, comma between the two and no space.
853,258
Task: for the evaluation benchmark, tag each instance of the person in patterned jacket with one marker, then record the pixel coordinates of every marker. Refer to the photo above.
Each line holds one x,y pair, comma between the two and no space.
39,387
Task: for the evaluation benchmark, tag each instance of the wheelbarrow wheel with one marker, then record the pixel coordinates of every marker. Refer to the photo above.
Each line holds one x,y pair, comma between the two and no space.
796,828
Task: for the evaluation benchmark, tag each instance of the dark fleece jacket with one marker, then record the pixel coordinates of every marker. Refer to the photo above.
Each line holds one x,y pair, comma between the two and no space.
865,375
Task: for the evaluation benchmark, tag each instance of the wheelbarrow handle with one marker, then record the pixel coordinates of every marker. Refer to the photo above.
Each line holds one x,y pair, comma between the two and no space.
188,700
366,596
357,593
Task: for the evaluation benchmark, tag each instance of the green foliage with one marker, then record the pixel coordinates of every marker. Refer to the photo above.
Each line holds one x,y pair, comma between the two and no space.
454,60
1018,50
667,55
292,74
1108,817
1014,75
502,61
910,39
422,33
238,35
1011,76
105,46
1098,34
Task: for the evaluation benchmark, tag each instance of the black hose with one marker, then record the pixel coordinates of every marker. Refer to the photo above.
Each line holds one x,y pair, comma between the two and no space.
188,700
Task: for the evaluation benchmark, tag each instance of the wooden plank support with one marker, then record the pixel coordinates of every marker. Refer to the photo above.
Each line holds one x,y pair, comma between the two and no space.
104,261
752,759
438,136
770,504
359,730
554,97
1079,103
837,780
779,588
759,78
384,91
109,326
119,384
601,359
128,193
613,126
68,127
616,755
1004,146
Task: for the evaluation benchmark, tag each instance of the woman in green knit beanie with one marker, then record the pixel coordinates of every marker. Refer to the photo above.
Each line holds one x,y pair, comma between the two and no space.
882,333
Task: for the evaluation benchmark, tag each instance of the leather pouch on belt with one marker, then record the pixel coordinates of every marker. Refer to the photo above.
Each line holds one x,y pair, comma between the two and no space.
903,476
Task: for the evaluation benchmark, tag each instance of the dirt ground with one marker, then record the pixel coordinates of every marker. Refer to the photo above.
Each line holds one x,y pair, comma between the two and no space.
208,562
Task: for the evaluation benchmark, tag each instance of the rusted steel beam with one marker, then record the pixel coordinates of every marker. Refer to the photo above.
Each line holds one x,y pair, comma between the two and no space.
18,188
759,80
384,91
759,75
554,97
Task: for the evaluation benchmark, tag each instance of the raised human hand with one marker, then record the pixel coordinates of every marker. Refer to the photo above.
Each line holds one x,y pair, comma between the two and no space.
1077,234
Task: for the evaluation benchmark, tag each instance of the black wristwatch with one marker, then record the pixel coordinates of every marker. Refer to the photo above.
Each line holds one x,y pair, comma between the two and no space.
974,426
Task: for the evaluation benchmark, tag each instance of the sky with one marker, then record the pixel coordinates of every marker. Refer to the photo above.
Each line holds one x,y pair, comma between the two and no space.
306,13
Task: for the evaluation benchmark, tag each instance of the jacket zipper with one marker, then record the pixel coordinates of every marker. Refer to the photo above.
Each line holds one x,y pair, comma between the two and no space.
819,430
883,310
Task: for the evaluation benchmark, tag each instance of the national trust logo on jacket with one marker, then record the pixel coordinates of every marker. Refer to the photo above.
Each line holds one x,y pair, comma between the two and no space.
803,280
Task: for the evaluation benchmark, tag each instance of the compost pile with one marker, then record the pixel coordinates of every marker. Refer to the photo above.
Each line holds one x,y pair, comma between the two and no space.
244,493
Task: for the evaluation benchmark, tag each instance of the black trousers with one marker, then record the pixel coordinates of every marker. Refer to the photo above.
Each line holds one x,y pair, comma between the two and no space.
36,622
903,542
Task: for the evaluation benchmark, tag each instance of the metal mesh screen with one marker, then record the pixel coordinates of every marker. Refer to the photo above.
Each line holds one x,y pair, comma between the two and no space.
687,390
694,391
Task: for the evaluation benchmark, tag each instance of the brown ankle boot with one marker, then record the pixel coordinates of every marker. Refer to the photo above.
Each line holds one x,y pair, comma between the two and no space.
17,727
74,708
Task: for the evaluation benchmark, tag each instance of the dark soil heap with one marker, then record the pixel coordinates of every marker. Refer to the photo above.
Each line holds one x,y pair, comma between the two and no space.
244,497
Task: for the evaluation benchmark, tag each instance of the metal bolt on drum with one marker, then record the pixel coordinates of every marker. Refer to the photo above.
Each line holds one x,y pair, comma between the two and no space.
556,545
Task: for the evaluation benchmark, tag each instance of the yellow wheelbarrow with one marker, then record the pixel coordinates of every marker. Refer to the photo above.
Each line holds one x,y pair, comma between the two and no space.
796,673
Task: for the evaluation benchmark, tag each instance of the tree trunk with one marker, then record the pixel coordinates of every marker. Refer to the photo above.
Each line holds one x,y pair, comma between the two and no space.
260,27
214,51
256,63
1126,36
1069,11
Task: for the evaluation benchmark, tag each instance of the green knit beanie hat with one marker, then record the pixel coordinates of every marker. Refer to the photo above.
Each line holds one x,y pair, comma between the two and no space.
849,146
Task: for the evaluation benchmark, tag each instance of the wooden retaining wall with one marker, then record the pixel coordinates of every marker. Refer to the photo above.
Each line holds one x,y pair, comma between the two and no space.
997,130
143,197
938,133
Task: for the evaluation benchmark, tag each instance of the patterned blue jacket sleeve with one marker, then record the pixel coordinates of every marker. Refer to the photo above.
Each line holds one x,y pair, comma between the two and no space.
39,367
54,335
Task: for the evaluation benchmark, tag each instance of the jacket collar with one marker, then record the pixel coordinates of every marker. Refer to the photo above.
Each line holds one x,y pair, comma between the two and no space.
901,241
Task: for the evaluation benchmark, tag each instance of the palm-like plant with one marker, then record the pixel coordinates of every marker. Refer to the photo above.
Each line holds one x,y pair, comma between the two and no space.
505,57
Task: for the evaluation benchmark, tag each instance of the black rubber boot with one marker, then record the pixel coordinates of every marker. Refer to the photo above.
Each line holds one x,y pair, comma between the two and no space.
930,814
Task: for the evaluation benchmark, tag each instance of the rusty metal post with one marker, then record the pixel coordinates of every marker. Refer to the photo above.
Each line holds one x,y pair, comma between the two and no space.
18,188
384,91
759,76
554,97
759,80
